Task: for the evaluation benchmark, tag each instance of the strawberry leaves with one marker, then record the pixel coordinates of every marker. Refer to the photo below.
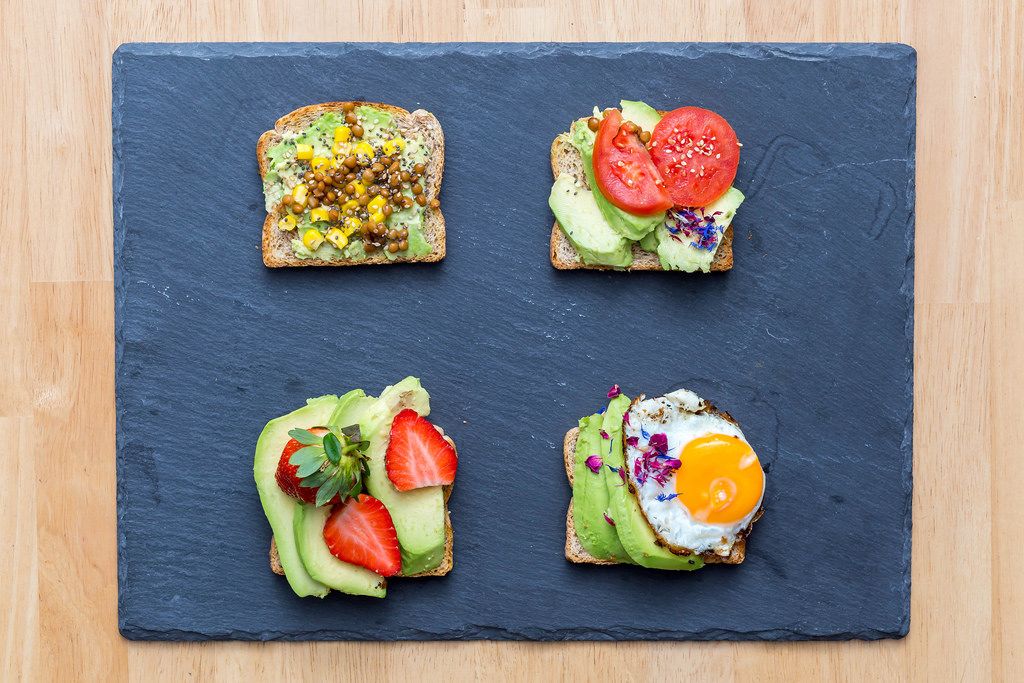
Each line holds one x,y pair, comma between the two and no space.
334,464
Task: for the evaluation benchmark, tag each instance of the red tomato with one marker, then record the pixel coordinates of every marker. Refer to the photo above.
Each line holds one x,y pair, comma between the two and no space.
624,171
696,153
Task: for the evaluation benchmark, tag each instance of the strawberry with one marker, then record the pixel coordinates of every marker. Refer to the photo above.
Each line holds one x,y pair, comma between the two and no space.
360,531
417,454
323,465
287,478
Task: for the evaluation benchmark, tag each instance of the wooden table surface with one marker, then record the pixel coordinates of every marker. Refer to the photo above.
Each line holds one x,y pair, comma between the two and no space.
57,501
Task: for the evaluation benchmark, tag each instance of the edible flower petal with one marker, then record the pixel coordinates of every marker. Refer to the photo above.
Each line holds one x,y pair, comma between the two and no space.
654,462
663,497
614,391
604,435
699,227
593,463
609,519
659,442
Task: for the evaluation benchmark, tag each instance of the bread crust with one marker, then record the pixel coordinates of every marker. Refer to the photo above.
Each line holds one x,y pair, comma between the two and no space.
274,256
565,158
574,550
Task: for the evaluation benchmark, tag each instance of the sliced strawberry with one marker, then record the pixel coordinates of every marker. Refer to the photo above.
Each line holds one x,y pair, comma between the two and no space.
418,455
360,531
287,477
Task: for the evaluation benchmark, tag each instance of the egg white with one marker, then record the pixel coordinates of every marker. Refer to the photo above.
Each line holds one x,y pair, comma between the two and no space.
675,415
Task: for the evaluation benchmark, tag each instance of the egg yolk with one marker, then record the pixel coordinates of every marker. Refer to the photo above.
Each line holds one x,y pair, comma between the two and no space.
720,480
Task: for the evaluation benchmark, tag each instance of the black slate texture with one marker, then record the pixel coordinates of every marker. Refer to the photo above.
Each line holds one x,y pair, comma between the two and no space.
807,341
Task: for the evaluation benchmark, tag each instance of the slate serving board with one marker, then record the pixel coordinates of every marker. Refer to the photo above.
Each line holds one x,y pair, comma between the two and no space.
807,341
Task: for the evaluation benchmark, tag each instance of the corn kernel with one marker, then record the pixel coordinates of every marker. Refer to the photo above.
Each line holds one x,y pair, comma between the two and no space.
337,238
337,161
364,149
340,149
376,204
287,223
352,223
312,239
318,214
350,205
318,163
395,145
299,194
378,217
304,151
342,134
360,188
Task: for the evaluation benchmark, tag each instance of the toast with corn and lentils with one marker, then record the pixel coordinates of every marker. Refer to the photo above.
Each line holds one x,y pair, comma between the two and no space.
352,183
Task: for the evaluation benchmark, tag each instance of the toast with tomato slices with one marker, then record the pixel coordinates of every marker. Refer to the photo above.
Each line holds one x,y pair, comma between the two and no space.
566,160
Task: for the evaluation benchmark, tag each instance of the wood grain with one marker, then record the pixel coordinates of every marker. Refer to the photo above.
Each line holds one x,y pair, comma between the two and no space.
58,603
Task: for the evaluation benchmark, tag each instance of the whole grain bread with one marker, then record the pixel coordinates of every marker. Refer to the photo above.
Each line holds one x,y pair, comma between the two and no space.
566,159
276,243
574,550
447,563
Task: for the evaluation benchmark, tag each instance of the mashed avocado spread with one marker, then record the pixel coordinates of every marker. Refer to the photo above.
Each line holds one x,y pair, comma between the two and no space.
349,186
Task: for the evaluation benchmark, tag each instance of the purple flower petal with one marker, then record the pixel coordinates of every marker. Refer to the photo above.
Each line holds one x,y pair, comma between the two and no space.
659,442
633,441
609,519
672,464
604,435
625,418
593,463
614,391
622,474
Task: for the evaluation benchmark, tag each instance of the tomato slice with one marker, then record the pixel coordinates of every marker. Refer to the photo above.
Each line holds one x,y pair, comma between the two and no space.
696,153
624,171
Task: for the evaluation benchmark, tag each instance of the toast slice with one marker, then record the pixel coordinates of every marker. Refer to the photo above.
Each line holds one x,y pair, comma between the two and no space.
447,563
574,550
566,159
276,244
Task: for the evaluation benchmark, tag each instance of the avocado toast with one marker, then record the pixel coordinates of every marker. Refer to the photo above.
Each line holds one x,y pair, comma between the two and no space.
355,489
602,223
665,483
352,183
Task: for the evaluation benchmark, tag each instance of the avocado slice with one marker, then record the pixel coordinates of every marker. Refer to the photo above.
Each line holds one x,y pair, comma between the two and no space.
418,515
626,224
650,241
583,223
325,567
640,113
634,531
590,497
278,506
681,255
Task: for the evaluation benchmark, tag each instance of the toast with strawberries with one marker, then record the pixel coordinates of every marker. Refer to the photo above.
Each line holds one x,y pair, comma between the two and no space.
356,491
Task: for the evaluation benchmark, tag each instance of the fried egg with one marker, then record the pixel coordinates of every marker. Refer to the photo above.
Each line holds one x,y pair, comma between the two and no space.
698,481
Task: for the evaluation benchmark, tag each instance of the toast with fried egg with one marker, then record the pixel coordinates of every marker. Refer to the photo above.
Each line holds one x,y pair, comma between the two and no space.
732,552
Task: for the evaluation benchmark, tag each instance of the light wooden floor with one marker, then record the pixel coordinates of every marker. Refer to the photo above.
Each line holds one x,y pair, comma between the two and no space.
57,519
